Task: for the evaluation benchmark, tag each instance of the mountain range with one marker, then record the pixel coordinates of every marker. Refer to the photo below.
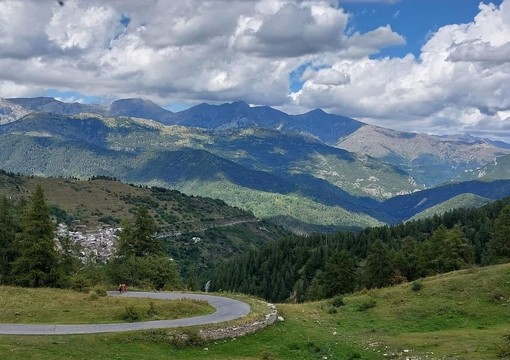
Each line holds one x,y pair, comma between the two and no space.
314,168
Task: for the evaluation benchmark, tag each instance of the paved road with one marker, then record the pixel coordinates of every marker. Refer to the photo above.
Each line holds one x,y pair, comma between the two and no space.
226,309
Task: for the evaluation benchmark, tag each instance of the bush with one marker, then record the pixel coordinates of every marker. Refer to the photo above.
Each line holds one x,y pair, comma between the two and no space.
131,314
332,310
100,291
337,301
152,311
79,282
266,355
365,305
416,285
504,350
497,295
189,338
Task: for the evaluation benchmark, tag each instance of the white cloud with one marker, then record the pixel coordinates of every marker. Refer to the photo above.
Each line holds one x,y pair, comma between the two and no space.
223,50
22,28
195,50
460,82
293,30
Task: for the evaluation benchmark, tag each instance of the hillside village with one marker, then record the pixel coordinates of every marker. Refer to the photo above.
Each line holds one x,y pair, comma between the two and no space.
97,244
100,244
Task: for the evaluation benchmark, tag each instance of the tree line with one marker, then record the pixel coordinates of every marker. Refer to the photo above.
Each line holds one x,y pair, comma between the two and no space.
299,268
32,256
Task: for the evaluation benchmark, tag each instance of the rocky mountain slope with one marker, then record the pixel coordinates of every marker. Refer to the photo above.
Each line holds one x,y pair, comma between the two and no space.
10,112
431,160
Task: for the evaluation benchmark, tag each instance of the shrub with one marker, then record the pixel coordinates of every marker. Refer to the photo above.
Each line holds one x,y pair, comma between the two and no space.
79,282
131,314
332,310
337,301
497,295
100,291
189,338
504,350
365,305
312,347
152,311
266,355
416,285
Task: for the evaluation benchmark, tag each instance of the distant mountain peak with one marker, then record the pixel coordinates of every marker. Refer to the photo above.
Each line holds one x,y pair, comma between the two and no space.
317,111
10,112
240,103
136,100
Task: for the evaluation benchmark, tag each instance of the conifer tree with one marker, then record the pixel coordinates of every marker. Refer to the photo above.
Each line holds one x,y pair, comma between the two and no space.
140,257
138,237
378,268
37,263
456,252
339,276
8,229
498,247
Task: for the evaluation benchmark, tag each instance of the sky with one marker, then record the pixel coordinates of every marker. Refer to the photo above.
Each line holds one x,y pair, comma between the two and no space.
434,66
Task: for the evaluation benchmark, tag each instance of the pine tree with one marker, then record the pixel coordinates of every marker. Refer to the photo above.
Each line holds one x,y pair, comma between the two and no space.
138,238
431,259
140,259
498,247
69,256
456,253
339,276
8,229
37,264
378,268
407,258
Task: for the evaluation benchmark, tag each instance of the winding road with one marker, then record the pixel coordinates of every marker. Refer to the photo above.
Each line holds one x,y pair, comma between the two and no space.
226,309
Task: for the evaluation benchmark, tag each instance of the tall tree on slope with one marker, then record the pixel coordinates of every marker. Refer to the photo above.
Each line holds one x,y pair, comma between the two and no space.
38,261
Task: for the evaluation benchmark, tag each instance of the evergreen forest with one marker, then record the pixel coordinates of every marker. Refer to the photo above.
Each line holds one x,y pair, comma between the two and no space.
293,268
306,268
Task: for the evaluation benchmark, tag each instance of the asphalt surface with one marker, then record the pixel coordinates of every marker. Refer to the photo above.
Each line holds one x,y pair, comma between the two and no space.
226,309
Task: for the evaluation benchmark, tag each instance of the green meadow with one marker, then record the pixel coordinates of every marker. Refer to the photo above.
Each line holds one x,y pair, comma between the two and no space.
459,315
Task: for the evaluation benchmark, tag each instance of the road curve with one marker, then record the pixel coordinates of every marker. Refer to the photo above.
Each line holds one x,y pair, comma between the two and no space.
226,309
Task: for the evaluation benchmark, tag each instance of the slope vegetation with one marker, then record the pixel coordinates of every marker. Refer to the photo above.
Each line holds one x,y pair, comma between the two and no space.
223,230
459,315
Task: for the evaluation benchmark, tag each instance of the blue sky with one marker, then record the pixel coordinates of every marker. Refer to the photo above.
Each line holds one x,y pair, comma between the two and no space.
414,19
411,65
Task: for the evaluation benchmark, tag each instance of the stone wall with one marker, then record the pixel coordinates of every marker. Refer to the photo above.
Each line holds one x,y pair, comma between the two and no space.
241,330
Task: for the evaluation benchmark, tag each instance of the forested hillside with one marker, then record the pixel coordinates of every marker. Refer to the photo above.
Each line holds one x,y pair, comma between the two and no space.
179,219
293,177
299,268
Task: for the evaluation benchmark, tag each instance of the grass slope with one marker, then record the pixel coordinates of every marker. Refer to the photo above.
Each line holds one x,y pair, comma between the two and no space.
464,201
460,315
55,306
267,204
95,202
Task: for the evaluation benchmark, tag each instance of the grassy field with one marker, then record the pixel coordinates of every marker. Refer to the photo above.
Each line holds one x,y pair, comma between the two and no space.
53,306
460,315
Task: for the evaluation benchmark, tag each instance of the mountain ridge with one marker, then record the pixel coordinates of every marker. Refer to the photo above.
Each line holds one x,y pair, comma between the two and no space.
248,150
